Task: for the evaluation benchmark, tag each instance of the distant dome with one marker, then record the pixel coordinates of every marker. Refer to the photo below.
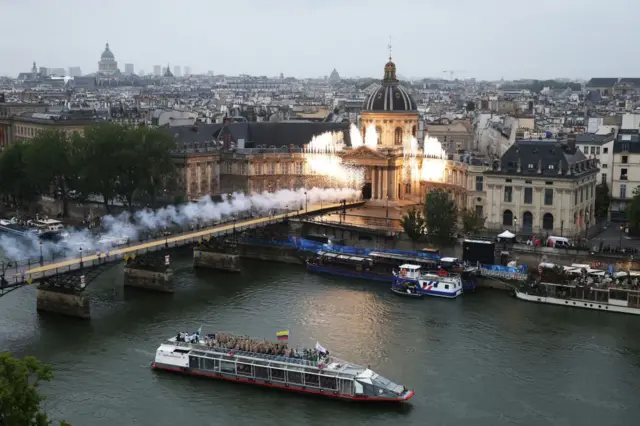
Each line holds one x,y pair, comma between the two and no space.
107,53
390,96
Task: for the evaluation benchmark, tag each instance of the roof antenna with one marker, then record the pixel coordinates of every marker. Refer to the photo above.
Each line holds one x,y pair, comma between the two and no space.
389,46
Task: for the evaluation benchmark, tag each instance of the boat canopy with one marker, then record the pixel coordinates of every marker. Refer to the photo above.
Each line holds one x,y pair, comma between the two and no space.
409,267
449,259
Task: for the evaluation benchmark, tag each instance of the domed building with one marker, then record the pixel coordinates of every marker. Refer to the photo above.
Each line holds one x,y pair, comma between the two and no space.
392,109
108,64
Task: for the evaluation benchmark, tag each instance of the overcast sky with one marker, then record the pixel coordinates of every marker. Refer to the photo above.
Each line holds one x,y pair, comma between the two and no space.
486,39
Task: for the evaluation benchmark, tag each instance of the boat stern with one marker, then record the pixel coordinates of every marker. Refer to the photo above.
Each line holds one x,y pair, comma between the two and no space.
406,395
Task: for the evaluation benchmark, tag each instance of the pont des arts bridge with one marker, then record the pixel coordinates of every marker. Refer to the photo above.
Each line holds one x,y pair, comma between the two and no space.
62,284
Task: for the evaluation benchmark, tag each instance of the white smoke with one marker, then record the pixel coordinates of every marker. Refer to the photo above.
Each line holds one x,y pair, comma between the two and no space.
203,212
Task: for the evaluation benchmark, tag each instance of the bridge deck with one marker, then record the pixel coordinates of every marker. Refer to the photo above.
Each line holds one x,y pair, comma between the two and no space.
27,273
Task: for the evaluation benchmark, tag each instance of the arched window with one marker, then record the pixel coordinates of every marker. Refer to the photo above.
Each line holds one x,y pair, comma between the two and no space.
379,132
397,136
507,218
547,221
527,223
414,132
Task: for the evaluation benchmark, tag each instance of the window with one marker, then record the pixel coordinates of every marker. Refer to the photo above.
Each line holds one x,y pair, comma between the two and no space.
507,180
597,150
623,191
528,195
549,182
507,218
604,178
530,166
605,150
604,166
625,159
508,194
593,150
623,174
586,149
575,197
479,183
551,167
528,182
548,196
398,136
582,194
479,211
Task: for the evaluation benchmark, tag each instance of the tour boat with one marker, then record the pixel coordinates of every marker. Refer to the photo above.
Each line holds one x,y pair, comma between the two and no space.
579,286
274,365
439,284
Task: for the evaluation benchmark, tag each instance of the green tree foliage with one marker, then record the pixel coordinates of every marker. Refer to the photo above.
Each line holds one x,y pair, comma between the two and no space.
471,222
603,201
413,224
15,182
441,216
633,213
52,163
108,160
19,396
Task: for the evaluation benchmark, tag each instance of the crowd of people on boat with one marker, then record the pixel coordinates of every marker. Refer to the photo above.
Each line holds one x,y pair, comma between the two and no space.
261,346
585,279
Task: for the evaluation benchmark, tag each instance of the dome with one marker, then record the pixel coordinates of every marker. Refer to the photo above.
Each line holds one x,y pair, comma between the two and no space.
390,96
107,53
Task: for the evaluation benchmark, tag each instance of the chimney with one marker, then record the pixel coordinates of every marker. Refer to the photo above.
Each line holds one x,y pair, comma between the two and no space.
571,142
290,148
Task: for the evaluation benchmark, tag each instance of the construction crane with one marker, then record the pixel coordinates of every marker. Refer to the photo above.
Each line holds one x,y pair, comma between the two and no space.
452,72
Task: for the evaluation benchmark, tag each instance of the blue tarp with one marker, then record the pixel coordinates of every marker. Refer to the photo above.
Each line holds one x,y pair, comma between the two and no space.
314,246
508,269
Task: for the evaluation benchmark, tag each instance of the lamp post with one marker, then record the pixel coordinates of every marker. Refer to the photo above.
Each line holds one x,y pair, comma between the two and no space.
586,228
561,227
41,258
306,202
80,249
515,225
621,231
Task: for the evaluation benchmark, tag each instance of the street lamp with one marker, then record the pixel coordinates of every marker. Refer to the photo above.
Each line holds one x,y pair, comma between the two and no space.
586,228
561,227
306,202
41,258
515,225
387,202
80,256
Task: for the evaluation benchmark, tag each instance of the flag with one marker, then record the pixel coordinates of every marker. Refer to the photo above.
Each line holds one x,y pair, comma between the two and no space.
320,348
282,335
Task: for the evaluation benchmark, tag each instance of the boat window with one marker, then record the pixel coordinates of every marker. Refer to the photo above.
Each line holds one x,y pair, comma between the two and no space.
227,367
194,362
294,377
346,386
328,382
311,380
181,351
446,286
261,372
277,375
209,364
244,369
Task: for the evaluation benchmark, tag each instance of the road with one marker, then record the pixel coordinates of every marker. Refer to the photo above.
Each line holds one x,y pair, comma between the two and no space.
30,274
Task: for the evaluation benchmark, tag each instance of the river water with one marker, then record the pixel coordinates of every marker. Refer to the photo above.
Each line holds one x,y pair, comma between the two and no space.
484,359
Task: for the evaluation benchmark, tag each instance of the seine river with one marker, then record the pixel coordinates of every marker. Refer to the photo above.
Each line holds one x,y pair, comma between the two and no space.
485,359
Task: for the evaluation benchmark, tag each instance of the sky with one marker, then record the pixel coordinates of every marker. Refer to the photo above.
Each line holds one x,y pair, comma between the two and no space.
488,39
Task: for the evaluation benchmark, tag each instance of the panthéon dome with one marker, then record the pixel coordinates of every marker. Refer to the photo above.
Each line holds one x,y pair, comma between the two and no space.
390,96
107,53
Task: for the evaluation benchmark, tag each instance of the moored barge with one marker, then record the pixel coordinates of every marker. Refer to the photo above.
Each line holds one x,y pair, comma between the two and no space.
259,362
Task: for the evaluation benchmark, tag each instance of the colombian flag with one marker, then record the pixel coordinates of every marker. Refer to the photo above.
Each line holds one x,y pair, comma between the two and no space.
282,335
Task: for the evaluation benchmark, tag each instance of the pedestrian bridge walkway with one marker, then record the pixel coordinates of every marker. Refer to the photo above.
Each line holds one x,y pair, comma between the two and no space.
27,274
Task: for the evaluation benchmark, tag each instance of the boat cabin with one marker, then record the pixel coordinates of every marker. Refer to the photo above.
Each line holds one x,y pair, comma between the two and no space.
47,225
409,271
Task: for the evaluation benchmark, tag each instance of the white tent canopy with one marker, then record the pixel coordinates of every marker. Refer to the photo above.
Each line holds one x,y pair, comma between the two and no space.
506,234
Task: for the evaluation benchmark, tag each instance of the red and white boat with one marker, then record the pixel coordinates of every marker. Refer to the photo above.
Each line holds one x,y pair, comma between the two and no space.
313,371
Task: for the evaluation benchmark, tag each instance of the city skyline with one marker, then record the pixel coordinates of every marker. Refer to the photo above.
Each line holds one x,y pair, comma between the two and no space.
488,40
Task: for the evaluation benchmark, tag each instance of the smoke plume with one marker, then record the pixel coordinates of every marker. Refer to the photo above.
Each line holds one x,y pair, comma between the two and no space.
202,212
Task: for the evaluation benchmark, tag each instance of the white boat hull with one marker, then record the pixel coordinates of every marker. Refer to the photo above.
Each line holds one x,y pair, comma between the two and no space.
583,304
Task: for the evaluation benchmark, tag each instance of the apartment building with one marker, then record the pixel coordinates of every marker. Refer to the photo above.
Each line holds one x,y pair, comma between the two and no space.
541,187
600,148
625,173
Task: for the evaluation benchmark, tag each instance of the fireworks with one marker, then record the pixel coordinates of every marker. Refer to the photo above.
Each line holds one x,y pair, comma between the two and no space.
322,157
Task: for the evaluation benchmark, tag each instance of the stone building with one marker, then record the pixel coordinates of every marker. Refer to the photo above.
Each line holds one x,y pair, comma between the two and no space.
455,137
108,66
541,187
26,125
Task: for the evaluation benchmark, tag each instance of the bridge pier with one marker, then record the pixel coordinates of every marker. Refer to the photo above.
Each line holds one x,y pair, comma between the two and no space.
204,257
68,302
149,272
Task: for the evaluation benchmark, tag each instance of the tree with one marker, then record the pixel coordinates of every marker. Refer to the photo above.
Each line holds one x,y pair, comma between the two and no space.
19,396
441,216
102,150
633,212
159,167
413,224
471,222
471,106
53,163
15,181
603,201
